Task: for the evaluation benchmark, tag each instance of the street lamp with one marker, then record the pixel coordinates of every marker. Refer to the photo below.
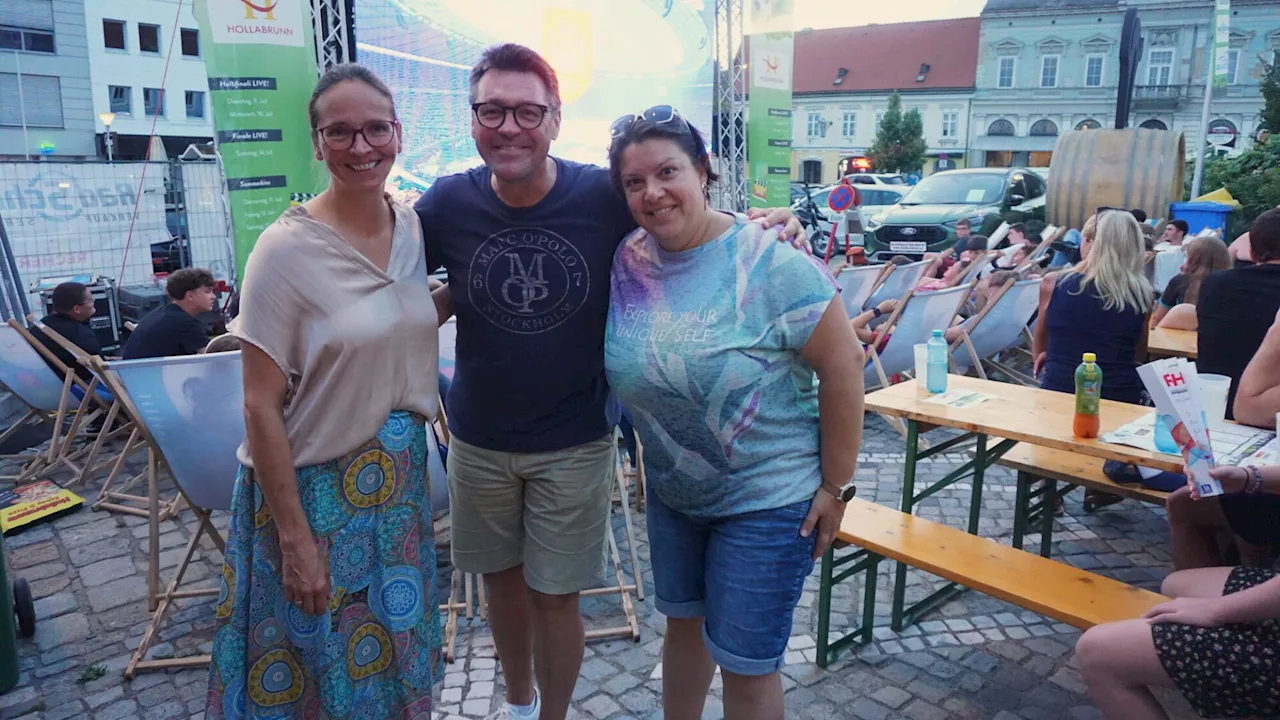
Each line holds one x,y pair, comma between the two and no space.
107,118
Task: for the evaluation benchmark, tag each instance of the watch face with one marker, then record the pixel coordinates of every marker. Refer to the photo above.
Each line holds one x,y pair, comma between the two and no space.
847,492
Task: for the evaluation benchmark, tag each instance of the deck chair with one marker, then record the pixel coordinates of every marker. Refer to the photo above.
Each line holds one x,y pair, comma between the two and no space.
189,410
912,322
999,326
899,280
27,369
857,283
111,429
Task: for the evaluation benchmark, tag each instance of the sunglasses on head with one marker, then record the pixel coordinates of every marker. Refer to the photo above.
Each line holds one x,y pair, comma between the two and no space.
656,115
1106,208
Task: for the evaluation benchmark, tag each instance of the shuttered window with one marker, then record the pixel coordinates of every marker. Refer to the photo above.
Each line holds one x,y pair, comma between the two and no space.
41,100
35,14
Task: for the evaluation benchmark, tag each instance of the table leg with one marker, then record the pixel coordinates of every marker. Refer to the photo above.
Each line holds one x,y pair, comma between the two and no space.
824,606
979,470
1020,508
1047,506
907,505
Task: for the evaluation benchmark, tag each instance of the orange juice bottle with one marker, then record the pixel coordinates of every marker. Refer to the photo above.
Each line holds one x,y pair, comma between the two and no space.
1088,394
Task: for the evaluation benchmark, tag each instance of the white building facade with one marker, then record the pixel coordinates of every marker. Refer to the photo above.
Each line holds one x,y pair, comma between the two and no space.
129,45
1041,74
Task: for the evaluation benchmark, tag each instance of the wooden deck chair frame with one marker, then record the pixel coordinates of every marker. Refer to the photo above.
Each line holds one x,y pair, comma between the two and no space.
975,321
109,432
161,600
920,265
61,451
874,355
1041,249
849,304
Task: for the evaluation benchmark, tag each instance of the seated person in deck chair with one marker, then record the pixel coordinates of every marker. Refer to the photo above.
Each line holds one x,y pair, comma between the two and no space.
72,308
173,328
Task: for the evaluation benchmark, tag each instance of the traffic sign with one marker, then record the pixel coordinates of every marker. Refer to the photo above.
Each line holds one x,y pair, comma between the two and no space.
842,197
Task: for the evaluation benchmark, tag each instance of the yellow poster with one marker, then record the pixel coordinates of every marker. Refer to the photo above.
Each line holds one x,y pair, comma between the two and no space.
21,506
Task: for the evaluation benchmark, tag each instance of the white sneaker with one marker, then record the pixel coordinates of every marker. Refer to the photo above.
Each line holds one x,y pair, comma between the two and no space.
507,712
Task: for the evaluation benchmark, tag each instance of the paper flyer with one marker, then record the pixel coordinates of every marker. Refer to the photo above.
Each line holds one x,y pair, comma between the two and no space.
959,398
1174,385
1237,445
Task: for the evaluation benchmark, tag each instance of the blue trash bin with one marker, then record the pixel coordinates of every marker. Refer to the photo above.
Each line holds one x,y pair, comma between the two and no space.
1203,215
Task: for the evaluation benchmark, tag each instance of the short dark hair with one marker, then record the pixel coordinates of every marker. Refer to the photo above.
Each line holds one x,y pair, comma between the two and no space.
962,222
67,296
513,57
1264,237
1181,225
1020,227
690,143
342,73
187,279
978,242
899,260
1139,215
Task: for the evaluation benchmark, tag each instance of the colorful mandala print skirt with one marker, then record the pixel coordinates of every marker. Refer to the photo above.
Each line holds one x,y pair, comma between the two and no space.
375,654
1229,671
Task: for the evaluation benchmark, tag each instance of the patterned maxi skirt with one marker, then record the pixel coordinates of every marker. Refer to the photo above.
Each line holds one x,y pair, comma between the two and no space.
375,654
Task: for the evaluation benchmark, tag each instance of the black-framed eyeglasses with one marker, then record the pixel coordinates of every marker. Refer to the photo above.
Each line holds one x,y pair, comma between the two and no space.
341,137
656,115
1107,208
528,116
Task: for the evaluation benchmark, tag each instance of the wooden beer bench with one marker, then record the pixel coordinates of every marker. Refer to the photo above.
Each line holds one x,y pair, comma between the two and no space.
1065,593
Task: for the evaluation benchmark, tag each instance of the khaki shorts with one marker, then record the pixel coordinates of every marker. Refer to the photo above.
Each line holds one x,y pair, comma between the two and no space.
549,511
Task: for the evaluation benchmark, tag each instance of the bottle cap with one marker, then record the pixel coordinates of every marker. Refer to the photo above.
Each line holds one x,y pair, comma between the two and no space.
937,333
1090,357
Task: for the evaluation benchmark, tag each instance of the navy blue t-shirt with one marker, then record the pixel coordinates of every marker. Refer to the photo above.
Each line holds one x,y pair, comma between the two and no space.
531,295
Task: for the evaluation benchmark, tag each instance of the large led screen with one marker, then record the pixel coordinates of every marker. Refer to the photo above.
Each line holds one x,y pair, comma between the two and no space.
612,57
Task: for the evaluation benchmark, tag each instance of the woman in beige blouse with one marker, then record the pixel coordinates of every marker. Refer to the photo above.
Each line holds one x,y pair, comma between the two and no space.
328,597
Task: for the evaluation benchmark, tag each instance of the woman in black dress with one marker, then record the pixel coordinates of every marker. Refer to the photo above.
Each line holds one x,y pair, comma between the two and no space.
1217,642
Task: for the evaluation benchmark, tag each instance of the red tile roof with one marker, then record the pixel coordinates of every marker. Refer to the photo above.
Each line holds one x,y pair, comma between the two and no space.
888,57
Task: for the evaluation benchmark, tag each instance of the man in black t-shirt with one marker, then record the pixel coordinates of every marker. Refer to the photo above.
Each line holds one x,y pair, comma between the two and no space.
174,329
72,308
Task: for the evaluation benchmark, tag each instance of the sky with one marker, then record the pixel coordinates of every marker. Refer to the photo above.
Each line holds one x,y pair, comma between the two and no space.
844,13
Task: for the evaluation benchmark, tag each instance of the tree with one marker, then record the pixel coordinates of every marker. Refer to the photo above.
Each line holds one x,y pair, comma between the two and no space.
899,145
1252,178
1271,98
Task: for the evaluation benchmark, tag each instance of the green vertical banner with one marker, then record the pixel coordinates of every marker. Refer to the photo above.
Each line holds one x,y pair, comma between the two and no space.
261,61
771,52
1221,42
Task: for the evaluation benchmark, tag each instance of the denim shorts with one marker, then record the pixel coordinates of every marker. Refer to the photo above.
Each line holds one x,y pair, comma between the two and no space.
742,573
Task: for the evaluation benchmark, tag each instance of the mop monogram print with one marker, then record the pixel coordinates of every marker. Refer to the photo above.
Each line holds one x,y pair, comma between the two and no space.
528,280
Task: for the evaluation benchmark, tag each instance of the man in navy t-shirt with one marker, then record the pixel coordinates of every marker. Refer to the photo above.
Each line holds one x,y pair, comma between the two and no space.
527,241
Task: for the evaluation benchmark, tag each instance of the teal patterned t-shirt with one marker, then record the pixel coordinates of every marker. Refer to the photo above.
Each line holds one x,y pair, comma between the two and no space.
703,348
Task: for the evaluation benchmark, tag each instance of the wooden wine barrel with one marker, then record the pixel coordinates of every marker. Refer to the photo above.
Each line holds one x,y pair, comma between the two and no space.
1135,168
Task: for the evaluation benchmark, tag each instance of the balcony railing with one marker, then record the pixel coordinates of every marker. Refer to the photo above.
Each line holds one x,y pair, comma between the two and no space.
1157,94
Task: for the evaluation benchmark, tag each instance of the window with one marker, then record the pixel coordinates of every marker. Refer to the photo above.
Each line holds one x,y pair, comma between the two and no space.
113,34
190,42
849,124
148,38
1093,66
1160,67
1005,77
1049,71
879,119
1154,124
1043,128
950,123
1089,124
195,105
153,102
1035,187
1233,66
1000,127
811,172
120,98
41,100
24,38
815,125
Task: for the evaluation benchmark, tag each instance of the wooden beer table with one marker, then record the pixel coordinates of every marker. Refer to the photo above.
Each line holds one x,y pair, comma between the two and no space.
1163,342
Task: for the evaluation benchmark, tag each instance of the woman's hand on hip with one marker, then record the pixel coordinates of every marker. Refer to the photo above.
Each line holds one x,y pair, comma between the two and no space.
306,575
825,513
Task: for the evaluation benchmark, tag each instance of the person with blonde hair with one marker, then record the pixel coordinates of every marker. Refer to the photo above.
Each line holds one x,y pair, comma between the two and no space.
1098,306
1204,255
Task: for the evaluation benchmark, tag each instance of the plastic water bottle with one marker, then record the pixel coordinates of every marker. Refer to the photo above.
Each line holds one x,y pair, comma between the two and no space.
936,377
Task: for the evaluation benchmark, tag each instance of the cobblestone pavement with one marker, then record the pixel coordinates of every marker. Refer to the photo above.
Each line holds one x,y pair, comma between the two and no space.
975,657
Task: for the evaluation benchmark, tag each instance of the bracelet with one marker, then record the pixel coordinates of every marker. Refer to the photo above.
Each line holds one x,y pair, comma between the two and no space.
876,312
1257,481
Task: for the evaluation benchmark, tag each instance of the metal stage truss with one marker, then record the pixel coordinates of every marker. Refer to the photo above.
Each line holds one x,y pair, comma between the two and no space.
334,37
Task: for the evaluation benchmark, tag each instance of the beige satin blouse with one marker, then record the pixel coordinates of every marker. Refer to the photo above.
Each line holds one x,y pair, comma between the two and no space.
354,342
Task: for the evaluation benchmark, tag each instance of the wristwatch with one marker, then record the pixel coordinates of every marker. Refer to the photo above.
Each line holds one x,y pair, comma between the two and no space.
876,312
845,493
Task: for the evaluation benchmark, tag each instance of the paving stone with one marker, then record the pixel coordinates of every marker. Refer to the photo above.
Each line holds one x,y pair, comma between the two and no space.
104,571
601,706
865,709
891,697
31,555
921,710
119,592
54,605
60,630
